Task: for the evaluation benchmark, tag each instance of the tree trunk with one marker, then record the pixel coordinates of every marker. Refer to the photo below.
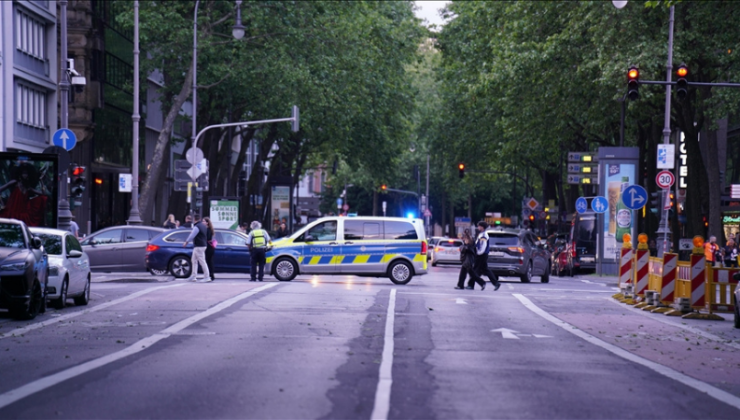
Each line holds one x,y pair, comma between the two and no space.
155,172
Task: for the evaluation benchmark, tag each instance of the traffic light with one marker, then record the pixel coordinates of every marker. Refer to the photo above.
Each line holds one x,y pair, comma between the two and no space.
656,199
704,219
383,188
671,203
633,83
681,84
199,197
77,186
531,218
461,168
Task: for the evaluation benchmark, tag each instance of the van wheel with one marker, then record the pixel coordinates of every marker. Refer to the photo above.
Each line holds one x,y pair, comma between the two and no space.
527,276
285,269
61,301
545,278
400,272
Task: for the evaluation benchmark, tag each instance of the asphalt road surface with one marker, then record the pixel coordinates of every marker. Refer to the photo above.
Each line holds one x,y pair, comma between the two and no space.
344,347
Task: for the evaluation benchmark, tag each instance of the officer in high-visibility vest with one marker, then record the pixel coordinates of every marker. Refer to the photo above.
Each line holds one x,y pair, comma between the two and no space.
258,241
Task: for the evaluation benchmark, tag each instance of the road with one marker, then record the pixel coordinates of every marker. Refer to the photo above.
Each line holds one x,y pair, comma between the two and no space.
342,347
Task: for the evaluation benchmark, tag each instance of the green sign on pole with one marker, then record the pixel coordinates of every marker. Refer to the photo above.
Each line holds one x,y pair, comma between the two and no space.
225,214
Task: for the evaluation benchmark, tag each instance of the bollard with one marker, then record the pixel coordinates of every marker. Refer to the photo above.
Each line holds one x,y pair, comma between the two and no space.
668,283
625,269
642,256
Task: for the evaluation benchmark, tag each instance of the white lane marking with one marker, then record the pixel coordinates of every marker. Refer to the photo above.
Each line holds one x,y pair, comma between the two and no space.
461,301
19,331
141,345
506,333
725,341
698,385
383,391
586,281
574,290
510,287
591,282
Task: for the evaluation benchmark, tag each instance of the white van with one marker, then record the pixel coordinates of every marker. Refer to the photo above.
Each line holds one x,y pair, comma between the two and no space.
363,246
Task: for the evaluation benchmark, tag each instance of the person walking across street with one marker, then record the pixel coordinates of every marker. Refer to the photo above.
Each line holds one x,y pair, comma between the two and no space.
482,248
198,236
257,241
710,251
467,257
210,246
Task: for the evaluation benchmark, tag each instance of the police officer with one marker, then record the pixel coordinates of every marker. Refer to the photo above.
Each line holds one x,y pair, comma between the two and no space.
481,258
257,240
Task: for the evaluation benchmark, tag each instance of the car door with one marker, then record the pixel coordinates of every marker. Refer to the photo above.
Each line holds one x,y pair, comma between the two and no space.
538,255
362,246
102,249
232,252
320,248
132,249
81,264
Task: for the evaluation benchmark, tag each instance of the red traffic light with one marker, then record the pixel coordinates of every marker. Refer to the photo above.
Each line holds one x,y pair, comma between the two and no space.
633,73
383,187
461,166
682,71
531,217
78,170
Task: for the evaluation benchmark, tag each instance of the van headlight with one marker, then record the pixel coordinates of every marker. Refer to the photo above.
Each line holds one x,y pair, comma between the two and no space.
15,266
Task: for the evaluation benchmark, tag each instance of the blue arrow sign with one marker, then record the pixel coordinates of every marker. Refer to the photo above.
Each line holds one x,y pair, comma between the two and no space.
581,205
634,197
65,138
599,204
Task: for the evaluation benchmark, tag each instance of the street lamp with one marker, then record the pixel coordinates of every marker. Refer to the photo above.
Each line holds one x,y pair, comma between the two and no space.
238,29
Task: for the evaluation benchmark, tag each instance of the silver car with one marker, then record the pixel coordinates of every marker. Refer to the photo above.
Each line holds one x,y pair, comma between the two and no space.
69,267
119,248
446,251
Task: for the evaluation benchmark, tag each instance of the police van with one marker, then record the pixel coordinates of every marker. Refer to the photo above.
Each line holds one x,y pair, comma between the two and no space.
363,246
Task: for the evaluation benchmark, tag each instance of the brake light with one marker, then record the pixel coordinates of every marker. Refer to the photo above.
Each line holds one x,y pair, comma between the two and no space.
423,248
573,250
152,248
516,249
437,249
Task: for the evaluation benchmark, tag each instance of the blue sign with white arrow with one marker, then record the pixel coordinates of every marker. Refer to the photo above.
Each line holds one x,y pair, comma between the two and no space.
581,205
634,197
599,204
64,138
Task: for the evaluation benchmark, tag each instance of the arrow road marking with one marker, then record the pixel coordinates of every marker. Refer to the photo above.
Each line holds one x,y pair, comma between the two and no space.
506,333
461,301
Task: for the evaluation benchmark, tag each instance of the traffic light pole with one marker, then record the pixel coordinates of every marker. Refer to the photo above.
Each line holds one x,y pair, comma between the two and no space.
663,226
63,214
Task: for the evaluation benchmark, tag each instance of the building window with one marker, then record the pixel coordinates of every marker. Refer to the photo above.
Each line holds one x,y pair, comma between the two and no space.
310,182
30,106
323,181
30,35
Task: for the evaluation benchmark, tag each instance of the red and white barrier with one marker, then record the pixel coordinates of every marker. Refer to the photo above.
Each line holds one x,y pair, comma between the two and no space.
698,277
641,271
668,283
625,267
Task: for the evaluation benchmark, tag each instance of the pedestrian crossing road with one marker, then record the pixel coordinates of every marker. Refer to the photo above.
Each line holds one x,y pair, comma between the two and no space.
345,347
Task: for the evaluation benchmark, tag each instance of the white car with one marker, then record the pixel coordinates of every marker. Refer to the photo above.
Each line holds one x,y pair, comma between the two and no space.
432,243
69,267
446,251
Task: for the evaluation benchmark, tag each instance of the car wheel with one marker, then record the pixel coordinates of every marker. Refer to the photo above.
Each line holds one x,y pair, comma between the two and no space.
434,263
400,272
527,276
61,301
34,306
285,269
84,298
545,278
180,267
737,315
156,272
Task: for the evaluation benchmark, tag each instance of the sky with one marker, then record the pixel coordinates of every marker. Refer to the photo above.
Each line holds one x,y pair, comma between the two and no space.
429,10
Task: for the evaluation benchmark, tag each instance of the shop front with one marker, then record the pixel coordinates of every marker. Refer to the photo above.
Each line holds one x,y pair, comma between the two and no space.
731,223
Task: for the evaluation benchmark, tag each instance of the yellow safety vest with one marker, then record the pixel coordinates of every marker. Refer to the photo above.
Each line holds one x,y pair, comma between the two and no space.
258,238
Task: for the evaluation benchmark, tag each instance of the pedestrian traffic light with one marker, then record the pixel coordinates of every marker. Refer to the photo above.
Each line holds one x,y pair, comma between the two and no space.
681,84
633,83
461,168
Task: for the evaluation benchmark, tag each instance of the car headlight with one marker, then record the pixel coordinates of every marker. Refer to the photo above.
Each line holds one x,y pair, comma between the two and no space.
15,266
53,271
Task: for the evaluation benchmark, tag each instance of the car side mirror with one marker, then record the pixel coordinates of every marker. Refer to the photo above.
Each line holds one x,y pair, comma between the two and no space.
36,242
74,253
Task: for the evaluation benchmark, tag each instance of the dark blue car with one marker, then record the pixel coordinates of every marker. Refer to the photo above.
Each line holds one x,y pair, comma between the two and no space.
166,253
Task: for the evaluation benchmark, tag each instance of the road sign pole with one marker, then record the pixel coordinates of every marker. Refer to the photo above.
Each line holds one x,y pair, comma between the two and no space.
64,216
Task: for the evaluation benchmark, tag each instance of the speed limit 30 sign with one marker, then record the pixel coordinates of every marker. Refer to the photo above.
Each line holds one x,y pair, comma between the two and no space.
665,179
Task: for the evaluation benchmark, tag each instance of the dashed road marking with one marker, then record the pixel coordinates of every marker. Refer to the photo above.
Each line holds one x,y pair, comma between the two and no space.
461,301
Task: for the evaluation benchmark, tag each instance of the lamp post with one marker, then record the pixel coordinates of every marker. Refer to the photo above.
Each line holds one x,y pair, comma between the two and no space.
63,213
134,217
663,226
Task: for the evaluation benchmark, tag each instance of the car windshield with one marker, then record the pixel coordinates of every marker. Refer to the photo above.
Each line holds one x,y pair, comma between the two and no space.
52,243
11,236
498,240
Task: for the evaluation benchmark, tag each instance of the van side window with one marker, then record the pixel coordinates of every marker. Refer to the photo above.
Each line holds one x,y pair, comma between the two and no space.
355,230
399,230
326,231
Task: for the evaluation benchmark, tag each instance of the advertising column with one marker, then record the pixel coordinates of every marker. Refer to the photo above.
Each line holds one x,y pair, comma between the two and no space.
617,171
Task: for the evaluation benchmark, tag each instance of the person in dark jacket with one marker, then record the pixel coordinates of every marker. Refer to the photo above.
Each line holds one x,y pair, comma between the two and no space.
210,246
481,257
282,231
170,222
198,236
467,257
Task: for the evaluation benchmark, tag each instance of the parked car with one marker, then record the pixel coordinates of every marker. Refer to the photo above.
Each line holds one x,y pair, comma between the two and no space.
165,253
432,243
446,251
582,246
69,267
119,248
24,270
517,253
